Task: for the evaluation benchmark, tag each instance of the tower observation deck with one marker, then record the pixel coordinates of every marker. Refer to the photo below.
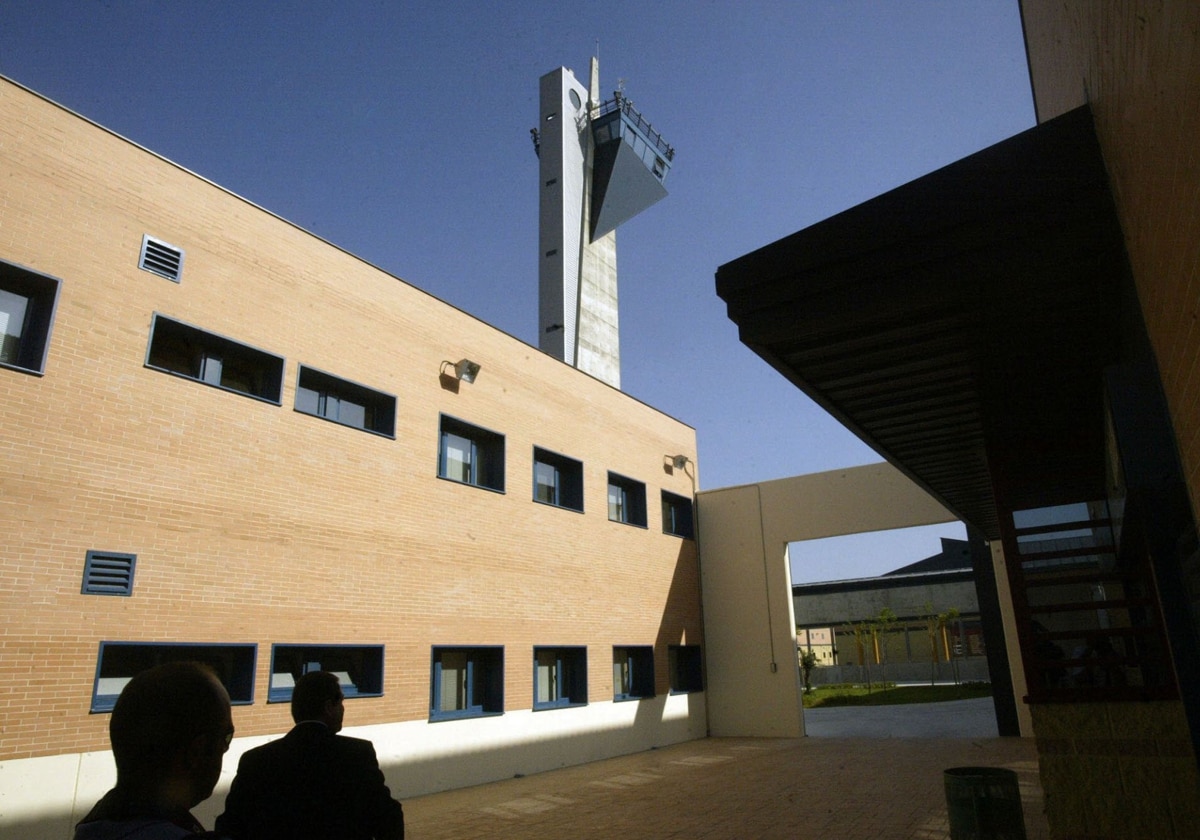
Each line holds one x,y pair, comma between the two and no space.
630,164
600,164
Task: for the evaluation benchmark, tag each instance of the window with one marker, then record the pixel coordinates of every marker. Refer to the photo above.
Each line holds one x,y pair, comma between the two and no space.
559,677
359,668
677,515
186,351
626,500
345,402
685,663
466,682
557,480
106,573
27,303
471,455
633,672
119,662
159,258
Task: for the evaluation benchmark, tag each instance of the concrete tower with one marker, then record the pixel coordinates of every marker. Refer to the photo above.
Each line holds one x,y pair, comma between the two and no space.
600,164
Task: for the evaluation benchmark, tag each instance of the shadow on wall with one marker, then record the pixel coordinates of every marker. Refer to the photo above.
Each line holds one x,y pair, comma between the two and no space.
494,748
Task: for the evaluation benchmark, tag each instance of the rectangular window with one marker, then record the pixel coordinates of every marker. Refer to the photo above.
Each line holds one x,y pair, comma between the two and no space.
557,480
348,403
677,515
359,668
27,303
626,500
187,351
471,455
686,665
108,573
466,682
633,672
559,677
119,662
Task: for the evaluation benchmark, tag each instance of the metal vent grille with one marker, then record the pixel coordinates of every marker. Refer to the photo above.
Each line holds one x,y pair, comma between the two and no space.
162,259
105,573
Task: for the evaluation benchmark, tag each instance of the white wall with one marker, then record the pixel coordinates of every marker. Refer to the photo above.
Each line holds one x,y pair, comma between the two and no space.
43,798
754,685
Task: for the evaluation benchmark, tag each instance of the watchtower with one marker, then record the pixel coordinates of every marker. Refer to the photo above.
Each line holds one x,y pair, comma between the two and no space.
600,164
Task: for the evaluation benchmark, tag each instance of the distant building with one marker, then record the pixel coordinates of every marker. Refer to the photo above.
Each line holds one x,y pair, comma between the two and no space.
910,648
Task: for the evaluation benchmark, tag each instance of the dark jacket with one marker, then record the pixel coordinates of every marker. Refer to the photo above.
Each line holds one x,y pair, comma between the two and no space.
113,818
313,784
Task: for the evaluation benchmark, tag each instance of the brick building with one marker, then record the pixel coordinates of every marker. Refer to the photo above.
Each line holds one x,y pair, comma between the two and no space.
224,438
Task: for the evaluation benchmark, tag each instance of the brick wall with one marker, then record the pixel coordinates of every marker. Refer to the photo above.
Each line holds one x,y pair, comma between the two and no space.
254,523
1138,65
1128,770
1117,770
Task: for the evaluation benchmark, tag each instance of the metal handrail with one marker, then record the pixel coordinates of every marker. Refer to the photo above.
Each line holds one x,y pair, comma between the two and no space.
619,102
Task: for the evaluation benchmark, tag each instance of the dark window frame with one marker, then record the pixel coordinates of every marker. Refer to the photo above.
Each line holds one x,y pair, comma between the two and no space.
678,515
570,676
108,573
119,661
483,681
40,292
635,680
486,464
379,408
207,356
633,500
686,666
359,668
568,488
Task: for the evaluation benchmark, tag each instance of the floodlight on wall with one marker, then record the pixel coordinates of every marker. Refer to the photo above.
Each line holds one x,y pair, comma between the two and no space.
679,461
464,369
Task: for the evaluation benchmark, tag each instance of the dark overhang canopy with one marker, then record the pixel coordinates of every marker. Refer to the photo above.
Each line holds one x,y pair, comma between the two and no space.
959,324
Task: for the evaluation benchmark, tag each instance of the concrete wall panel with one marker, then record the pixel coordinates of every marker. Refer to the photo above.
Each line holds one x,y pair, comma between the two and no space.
754,682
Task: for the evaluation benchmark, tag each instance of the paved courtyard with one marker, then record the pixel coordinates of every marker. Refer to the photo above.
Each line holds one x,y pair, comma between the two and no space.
835,787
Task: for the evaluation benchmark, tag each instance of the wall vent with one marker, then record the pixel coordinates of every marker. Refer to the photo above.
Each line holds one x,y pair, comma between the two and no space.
162,259
106,573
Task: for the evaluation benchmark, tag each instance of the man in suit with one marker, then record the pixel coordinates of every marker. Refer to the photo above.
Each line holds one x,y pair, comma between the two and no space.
312,783
169,730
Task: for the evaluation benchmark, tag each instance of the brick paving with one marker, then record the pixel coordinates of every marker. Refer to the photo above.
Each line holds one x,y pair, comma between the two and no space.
724,788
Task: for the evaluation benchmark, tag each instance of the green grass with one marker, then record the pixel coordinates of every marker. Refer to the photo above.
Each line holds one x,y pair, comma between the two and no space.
857,695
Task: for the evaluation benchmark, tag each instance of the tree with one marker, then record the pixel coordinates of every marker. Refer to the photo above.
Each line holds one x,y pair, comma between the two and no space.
935,627
883,625
808,661
864,637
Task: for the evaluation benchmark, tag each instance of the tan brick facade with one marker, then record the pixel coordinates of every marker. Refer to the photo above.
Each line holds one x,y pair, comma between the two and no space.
1129,770
255,523
1137,65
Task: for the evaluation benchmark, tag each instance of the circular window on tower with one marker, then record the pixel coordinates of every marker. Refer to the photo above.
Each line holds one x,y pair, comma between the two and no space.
575,100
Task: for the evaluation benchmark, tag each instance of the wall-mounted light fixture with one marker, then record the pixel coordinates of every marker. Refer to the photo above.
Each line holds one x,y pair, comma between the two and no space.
464,369
679,461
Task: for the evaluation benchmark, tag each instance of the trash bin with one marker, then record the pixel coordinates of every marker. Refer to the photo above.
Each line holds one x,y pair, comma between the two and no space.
984,803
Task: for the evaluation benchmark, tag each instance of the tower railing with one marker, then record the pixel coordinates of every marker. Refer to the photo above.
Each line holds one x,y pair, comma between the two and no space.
634,117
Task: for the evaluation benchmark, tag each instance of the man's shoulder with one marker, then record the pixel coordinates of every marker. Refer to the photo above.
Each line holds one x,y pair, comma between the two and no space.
140,828
349,743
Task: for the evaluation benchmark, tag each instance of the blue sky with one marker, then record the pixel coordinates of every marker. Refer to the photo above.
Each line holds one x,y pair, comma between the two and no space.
400,132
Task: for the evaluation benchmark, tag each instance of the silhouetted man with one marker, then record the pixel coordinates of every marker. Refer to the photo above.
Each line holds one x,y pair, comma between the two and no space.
312,784
169,731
